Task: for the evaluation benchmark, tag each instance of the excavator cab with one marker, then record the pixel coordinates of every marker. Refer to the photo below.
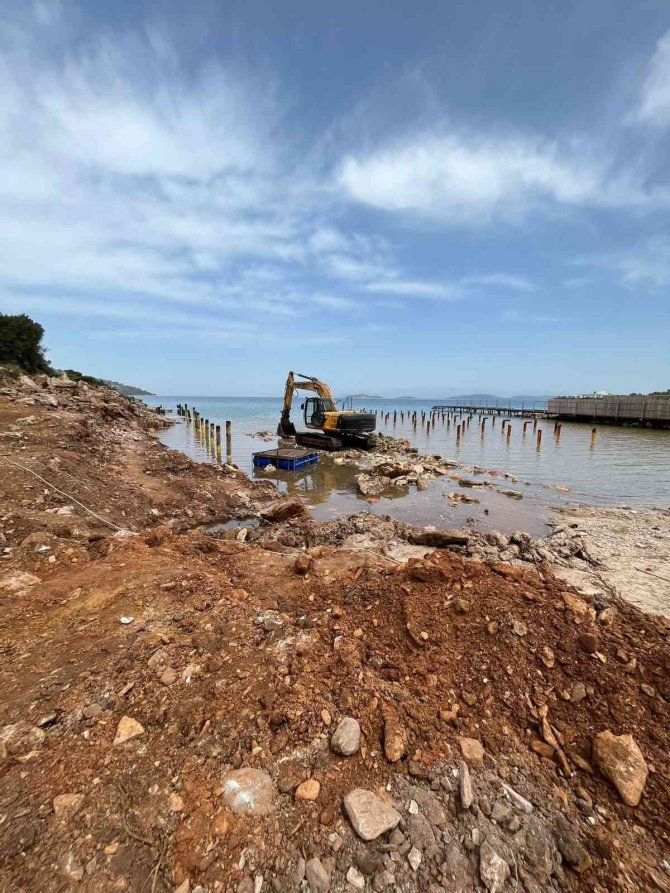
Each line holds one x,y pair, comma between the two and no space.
315,409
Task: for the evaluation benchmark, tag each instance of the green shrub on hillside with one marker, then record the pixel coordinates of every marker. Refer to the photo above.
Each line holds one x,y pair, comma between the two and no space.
21,343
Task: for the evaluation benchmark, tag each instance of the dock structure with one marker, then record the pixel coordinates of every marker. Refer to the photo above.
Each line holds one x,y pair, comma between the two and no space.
651,410
536,410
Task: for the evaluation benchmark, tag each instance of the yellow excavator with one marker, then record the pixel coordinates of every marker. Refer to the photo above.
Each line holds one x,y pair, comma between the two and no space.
329,428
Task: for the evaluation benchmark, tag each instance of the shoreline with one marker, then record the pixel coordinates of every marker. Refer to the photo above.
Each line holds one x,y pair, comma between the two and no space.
478,680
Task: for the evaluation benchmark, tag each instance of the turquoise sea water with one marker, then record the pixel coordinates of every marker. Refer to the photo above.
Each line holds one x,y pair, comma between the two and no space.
625,466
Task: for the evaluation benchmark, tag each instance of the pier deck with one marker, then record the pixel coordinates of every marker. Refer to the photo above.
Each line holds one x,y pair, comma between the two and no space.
535,411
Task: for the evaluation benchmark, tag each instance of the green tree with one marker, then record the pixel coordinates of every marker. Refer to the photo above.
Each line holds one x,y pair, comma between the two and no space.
21,343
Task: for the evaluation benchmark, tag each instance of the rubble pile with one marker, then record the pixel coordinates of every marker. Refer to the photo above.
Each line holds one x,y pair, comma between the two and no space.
354,705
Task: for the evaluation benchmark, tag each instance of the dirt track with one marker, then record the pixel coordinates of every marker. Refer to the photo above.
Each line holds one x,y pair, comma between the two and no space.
248,654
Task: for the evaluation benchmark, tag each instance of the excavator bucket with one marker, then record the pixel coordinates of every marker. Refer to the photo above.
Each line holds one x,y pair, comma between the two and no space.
285,428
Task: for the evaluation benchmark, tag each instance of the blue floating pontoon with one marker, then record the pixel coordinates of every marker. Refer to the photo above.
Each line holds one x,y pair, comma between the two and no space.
288,458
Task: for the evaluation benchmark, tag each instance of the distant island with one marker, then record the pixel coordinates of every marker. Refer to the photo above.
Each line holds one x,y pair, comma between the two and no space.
363,397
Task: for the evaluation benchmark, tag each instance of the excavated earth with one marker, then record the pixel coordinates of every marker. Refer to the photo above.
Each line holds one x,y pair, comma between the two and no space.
153,655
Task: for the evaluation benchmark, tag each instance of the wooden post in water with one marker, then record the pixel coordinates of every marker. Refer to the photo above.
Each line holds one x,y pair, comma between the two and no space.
594,431
458,433
509,432
229,442
493,421
539,438
557,432
218,442
525,425
535,424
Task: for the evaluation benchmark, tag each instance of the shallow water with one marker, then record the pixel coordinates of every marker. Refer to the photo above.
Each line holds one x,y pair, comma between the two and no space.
624,466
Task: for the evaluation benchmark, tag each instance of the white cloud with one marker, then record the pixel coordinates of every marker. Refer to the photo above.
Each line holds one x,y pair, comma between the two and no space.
647,265
418,289
522,316
475,179
654,102
500,280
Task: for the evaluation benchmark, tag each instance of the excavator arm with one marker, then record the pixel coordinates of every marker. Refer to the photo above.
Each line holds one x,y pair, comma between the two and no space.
286,428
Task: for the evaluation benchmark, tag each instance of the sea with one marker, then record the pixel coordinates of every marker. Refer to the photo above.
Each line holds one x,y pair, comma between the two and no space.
619,466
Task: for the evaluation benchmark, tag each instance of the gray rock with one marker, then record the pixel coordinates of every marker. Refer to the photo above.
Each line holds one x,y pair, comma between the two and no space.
420,832
369,815
493,869
346,739
317,876
501,811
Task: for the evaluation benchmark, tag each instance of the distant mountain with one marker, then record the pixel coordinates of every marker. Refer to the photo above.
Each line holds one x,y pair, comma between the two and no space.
492,399
364,397
126,390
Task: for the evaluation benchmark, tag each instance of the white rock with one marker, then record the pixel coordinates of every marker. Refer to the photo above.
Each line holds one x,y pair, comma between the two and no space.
369,815
249,792
414,858
127,729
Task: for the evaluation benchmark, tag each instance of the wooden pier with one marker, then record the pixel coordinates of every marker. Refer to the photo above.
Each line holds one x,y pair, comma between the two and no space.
534,411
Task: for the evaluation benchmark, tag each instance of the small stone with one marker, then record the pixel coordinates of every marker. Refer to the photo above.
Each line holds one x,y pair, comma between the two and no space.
184,887
326,718
577,692
462,606
414,858
519,628
472,750
395,737
588,642
465,785
317,876
500,811
175,803
302,564
92,711
369,815
621,762
493,869
308,790
570,847
547,657
355,878
66,805
127,729
346,739
519,802
169,676
249,792
111,848
413,808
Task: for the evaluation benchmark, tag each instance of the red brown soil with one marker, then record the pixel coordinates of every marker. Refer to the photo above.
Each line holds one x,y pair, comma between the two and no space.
357,638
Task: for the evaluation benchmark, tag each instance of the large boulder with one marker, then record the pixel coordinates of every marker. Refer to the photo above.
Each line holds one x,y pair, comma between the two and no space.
439,539
283,509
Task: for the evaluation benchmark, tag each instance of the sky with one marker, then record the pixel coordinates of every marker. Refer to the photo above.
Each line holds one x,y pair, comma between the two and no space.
400,198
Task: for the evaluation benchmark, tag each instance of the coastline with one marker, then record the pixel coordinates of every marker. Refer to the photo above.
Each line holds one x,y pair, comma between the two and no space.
247,647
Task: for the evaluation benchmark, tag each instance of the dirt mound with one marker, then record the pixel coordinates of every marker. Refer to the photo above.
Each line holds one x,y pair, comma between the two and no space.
171,696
